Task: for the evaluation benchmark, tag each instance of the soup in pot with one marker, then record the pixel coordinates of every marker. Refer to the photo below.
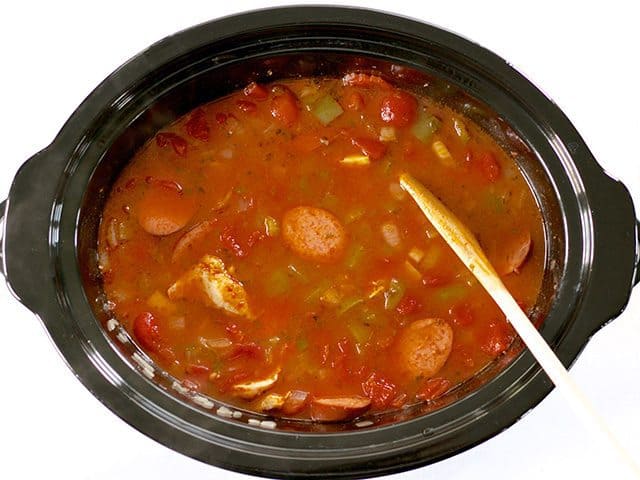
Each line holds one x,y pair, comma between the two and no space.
261,250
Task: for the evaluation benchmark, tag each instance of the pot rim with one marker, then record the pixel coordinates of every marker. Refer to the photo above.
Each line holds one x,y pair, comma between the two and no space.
130,396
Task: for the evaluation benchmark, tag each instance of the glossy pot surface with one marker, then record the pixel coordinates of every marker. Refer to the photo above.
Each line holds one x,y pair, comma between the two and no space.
49,237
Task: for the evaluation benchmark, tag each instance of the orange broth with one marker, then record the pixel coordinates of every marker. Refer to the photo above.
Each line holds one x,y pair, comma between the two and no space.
219,181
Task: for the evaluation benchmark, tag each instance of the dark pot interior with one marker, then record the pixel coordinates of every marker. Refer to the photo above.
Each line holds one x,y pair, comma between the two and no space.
210,61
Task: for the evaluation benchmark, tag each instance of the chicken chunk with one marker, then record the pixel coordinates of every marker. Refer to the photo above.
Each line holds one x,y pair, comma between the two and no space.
250,390
210,283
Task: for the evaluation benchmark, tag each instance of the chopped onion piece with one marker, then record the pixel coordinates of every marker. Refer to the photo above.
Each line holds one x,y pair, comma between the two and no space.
387,134
397,191
461,130
416,254
391,234
443,153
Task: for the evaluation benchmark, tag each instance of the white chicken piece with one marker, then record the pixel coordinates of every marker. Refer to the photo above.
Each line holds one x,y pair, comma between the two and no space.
210,283
250,390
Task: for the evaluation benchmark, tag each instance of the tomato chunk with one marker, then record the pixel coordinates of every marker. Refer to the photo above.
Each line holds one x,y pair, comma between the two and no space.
496,338
408,305
284,108
489,166
433,388
374,149
379,390
364,80
147,332
176,142
399,109
256,91
197,126
245,106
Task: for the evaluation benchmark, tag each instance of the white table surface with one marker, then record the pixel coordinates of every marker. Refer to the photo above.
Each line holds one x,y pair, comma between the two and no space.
53,54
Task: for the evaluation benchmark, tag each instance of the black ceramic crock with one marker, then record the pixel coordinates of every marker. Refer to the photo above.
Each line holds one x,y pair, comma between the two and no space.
49,256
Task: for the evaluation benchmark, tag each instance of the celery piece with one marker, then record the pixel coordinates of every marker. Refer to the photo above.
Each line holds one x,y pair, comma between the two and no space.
278,283
271,227
326,109
393,294
426,125
348,303
354,256
452,293
361,333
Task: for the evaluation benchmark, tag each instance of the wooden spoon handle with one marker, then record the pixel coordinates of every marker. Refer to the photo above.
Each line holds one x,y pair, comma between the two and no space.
467,248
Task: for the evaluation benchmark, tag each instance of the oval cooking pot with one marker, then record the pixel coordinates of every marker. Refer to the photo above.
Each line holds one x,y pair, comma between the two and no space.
49,241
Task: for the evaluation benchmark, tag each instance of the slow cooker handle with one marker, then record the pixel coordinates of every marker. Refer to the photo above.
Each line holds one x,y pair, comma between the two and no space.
636,280
25,221
3,211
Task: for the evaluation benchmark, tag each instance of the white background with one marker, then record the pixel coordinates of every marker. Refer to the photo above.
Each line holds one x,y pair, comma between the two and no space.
53,54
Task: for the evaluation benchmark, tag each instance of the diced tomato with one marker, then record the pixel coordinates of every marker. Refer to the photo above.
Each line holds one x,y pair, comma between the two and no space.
250,350
256,91
399,109
433,388
364,80
284,108
197,126
461,315
379,390
496,337
197,369
147,331
489,166
245,106
374,149
354,101
464,356
228,237
255,237
408,305
176,142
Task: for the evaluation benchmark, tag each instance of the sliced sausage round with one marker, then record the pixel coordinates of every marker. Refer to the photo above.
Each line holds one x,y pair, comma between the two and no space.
314,233
424,346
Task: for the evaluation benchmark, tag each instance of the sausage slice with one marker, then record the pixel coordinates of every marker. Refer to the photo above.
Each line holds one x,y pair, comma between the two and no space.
314,234
424,346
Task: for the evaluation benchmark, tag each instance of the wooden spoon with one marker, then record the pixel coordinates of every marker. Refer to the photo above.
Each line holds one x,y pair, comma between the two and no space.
467,248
